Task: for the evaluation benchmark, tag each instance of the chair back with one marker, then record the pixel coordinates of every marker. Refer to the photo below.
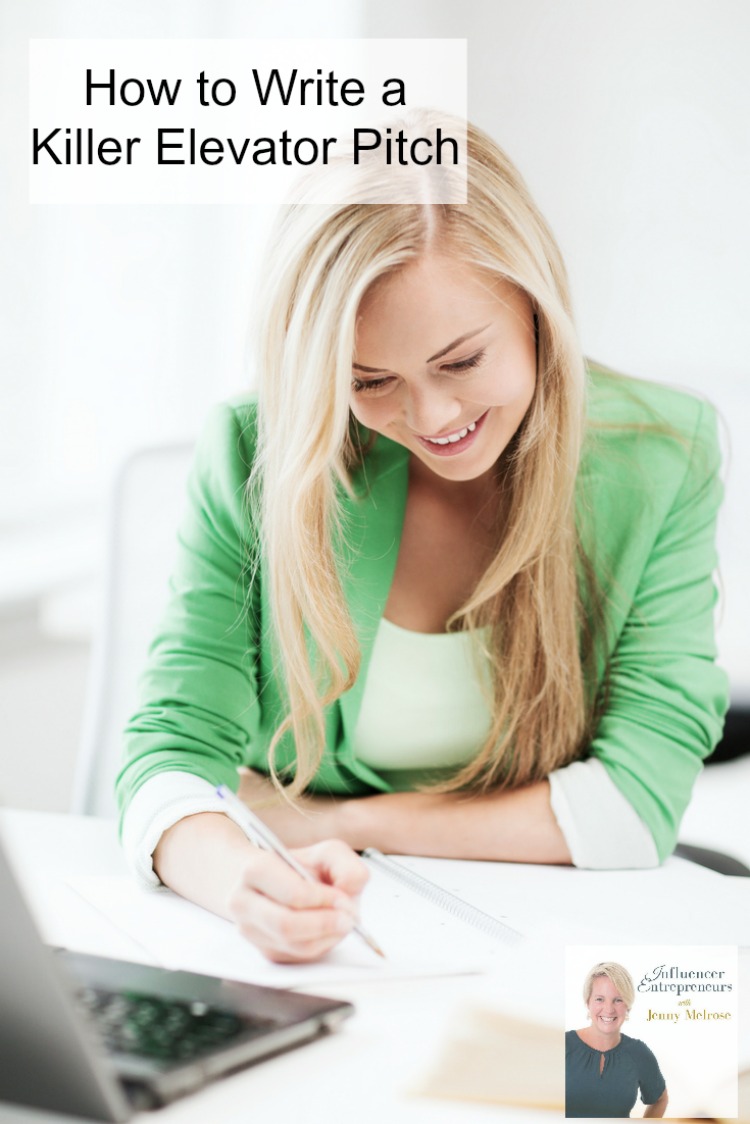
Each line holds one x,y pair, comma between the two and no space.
145,510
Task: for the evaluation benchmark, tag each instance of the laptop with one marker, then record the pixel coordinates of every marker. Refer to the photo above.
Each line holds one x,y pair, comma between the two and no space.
103,1039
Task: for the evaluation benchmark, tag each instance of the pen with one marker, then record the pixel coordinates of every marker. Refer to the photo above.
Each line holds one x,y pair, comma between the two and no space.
260,834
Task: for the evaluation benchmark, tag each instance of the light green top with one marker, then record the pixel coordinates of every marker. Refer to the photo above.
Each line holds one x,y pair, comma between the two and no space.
424,706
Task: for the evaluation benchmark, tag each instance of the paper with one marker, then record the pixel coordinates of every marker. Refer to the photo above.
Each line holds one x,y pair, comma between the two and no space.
419,939
553,904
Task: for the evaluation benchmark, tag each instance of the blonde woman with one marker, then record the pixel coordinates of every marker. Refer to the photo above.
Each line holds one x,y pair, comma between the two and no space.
444,589
605,1070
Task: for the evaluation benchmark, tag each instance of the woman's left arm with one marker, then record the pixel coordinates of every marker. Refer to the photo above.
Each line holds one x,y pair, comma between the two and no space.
517,826
667,696
658,1108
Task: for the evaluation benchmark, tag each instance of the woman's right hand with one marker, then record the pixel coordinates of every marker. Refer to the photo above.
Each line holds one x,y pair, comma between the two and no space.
292,920
208,859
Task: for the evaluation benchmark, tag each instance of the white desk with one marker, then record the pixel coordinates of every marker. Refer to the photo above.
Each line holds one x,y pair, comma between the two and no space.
365,1072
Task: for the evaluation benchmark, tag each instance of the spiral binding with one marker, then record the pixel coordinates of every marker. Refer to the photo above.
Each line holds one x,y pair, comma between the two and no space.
452,904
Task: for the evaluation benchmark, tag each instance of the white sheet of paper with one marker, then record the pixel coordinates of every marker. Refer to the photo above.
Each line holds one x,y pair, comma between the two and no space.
422,940
560,903
419,939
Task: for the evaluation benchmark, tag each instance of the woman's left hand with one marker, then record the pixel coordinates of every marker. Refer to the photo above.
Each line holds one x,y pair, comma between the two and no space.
311,820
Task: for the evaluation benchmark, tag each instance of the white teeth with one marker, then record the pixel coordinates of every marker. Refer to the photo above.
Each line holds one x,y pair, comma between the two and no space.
453,437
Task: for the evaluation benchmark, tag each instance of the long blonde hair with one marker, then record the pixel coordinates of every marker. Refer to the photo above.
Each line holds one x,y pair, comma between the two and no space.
323,261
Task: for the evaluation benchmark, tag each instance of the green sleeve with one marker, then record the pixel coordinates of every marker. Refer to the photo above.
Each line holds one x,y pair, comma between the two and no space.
667,695
198,699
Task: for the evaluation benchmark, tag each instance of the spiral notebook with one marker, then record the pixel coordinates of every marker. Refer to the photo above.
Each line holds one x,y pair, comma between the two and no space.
404,876
423,928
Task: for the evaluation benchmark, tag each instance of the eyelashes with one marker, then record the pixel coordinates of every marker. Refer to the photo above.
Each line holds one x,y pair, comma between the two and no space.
364,386
361,387
465,364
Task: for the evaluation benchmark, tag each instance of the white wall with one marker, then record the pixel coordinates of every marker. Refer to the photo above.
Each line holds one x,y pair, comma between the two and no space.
119,325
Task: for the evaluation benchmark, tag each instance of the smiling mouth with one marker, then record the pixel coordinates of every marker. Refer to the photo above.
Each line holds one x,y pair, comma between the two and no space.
449,444
452,438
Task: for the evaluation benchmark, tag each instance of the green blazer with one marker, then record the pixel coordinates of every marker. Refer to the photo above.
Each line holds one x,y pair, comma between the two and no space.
647,505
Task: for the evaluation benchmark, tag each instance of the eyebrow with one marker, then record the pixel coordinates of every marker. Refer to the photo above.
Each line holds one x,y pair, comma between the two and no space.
437,355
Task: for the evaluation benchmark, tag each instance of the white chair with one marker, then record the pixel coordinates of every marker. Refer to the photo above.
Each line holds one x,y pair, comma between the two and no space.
145,509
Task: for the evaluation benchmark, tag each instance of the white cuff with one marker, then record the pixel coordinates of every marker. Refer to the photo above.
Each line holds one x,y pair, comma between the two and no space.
602,829
158,804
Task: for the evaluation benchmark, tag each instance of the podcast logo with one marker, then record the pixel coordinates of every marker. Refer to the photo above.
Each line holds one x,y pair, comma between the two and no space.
683,982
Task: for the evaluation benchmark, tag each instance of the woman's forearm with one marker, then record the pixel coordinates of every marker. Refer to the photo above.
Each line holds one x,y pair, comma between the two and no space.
201,858
517,826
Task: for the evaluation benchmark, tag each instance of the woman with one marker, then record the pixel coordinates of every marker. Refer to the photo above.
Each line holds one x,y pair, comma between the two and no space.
443,587
604,1068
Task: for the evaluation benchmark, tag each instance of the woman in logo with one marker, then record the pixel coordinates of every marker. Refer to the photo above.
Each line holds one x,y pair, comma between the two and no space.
606,1070
445,588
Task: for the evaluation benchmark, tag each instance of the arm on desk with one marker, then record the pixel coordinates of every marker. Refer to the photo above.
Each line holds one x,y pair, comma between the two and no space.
517,826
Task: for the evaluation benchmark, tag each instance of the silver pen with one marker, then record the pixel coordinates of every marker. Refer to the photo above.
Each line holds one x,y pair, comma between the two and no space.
259,833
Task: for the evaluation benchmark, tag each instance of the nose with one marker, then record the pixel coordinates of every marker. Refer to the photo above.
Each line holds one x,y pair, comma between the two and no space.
430,410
